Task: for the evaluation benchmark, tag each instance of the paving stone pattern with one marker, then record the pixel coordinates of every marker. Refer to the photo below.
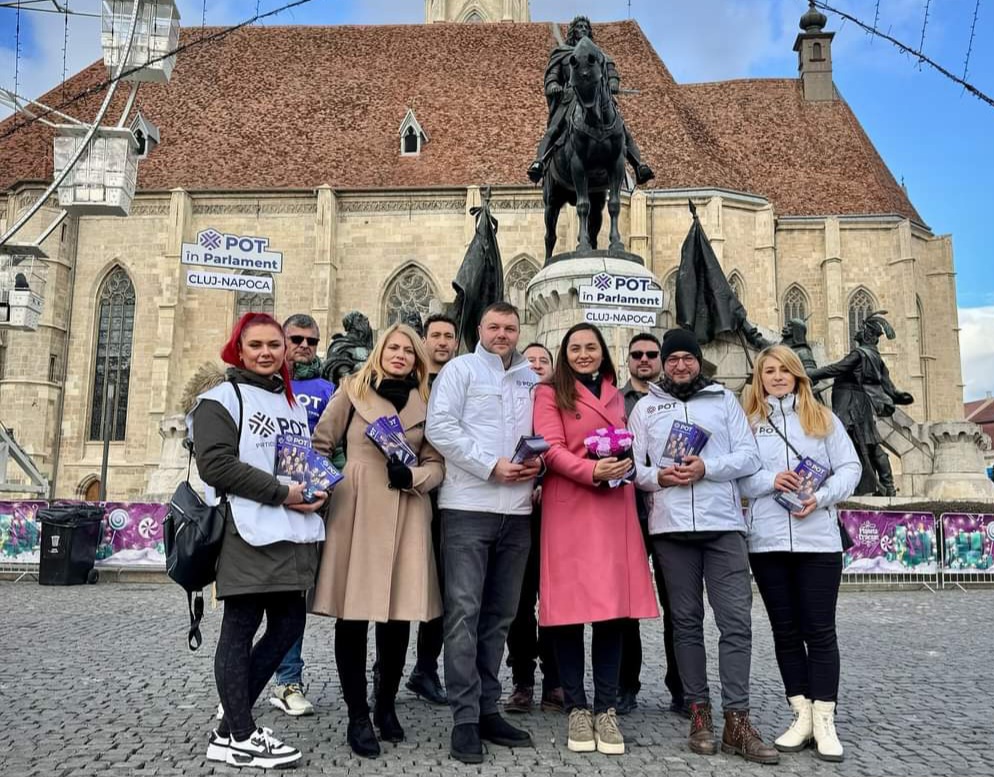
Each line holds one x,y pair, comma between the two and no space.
97,680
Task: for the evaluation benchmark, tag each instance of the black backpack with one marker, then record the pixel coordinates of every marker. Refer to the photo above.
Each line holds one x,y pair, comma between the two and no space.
192,533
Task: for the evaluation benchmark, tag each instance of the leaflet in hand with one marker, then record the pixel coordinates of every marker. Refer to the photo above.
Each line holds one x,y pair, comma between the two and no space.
387,434
812,475
685,440
528,447
298,462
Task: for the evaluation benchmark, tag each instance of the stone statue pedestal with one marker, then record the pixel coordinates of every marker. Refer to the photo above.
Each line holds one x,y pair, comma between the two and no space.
162,481
958,470
552,297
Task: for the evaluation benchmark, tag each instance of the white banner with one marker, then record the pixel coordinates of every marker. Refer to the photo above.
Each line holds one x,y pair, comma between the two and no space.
635,291
645,319
232,252
254,284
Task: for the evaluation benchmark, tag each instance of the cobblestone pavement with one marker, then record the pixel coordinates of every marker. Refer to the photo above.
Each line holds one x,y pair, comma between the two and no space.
98,681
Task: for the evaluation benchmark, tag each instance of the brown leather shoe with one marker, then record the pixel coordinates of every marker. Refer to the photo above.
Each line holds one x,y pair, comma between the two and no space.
741,738
553,700
520,700
701,739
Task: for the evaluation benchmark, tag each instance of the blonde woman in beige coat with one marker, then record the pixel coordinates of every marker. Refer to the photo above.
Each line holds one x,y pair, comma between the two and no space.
378,564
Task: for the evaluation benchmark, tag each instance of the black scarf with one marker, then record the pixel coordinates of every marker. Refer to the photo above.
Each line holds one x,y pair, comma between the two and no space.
592,382
396,391
683,391
307,370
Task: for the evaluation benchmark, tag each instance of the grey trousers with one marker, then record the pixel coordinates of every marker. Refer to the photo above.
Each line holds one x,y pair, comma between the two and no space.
721,560
485,556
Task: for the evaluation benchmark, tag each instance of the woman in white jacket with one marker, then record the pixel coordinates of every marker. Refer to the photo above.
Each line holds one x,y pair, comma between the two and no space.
796,553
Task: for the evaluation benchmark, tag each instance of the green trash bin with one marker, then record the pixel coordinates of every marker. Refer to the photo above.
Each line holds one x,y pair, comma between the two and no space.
70,535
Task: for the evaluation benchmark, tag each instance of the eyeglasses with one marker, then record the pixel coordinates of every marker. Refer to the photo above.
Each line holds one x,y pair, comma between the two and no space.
637,355
674,360
298,339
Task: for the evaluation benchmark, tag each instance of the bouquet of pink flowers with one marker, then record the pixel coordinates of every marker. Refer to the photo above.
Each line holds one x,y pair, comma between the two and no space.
608,442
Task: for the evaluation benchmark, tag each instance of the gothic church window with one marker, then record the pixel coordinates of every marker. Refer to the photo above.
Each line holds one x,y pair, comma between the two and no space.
738,286
112,370
411,141
254,302
516,283
412,289
795,304
861,304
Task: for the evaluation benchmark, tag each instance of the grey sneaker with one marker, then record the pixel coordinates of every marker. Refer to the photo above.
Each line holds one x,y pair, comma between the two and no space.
608,735
290,698
581,731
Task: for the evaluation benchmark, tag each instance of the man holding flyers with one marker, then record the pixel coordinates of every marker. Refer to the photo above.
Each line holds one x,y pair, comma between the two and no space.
698,533
480,405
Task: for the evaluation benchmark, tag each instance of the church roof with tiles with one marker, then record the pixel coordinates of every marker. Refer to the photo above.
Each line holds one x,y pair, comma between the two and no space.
284,108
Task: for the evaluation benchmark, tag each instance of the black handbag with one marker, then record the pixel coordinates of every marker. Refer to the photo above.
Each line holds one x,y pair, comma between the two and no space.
843,534
192,533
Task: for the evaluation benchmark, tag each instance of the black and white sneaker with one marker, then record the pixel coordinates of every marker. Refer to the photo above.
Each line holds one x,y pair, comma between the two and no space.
261,749
217,747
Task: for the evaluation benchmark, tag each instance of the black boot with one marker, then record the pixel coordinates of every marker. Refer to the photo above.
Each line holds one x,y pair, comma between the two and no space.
362,738
427,686
465,745
385,717
494,728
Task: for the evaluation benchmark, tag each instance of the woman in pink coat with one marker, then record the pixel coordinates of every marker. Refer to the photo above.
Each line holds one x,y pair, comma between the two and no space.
593,567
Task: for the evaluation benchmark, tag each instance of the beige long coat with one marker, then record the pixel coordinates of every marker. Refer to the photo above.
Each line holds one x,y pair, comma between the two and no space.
377,563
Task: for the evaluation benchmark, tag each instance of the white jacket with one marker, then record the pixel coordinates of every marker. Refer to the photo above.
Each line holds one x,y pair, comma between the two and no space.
712,503
476,414
771,526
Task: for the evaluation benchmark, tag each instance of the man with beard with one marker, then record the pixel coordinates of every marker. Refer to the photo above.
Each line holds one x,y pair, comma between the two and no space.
645,367
440,340
698,536
312,392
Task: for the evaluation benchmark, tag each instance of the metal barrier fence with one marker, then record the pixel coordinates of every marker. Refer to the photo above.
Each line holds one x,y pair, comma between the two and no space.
891,549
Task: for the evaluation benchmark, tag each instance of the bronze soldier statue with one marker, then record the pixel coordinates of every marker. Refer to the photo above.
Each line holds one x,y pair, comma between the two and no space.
795,336
560,98
863,391
348,350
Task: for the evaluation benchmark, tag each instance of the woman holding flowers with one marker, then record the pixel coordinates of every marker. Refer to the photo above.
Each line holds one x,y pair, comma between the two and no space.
593,567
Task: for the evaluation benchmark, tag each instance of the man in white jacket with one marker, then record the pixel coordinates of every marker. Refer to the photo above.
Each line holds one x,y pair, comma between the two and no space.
698,535
480,405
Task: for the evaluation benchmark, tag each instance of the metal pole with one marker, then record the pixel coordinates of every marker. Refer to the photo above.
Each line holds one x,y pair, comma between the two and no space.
86,140
106,429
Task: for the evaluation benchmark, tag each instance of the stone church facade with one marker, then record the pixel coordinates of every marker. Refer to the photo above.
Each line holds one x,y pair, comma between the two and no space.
364,184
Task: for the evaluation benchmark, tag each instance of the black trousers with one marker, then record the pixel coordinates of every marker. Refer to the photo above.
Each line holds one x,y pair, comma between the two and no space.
350,657
242,670
431,633
631,650
526,640
800,591
605,659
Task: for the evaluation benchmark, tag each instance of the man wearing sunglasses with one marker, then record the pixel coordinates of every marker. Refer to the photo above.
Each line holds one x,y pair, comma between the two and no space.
645,367
313,392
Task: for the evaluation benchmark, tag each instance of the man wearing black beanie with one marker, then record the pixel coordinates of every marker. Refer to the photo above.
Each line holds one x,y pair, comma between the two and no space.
698,536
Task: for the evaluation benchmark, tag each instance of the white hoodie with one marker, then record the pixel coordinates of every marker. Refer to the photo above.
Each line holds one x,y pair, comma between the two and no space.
476,414
712,503
771,526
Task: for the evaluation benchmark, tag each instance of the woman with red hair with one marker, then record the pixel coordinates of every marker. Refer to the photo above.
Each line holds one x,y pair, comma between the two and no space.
269,554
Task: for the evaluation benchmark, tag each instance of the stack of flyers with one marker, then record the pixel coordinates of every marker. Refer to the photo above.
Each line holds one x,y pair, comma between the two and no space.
529,446
812,475
685,440
387,434
298,462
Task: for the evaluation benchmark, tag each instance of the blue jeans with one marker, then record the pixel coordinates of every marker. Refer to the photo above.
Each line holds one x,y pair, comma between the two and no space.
485,556
291,668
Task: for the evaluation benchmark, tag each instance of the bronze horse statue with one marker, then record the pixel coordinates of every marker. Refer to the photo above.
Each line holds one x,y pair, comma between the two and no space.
588,164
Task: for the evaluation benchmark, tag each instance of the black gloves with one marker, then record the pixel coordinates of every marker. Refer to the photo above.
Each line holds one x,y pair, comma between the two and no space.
399,474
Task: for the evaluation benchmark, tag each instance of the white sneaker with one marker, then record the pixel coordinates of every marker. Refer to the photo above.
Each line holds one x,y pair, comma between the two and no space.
291,700
217,747
261,749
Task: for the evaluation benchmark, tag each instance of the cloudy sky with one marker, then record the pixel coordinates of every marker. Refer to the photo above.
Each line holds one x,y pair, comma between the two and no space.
934,136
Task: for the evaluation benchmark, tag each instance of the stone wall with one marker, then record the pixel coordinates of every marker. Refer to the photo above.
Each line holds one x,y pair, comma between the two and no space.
341,251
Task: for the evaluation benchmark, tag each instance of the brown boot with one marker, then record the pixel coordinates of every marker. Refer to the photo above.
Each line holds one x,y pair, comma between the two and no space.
701,740
741,738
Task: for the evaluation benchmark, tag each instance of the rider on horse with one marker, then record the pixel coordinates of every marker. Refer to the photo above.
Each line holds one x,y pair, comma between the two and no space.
560,98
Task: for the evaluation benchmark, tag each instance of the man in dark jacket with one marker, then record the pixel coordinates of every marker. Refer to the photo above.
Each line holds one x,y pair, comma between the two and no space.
644,367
